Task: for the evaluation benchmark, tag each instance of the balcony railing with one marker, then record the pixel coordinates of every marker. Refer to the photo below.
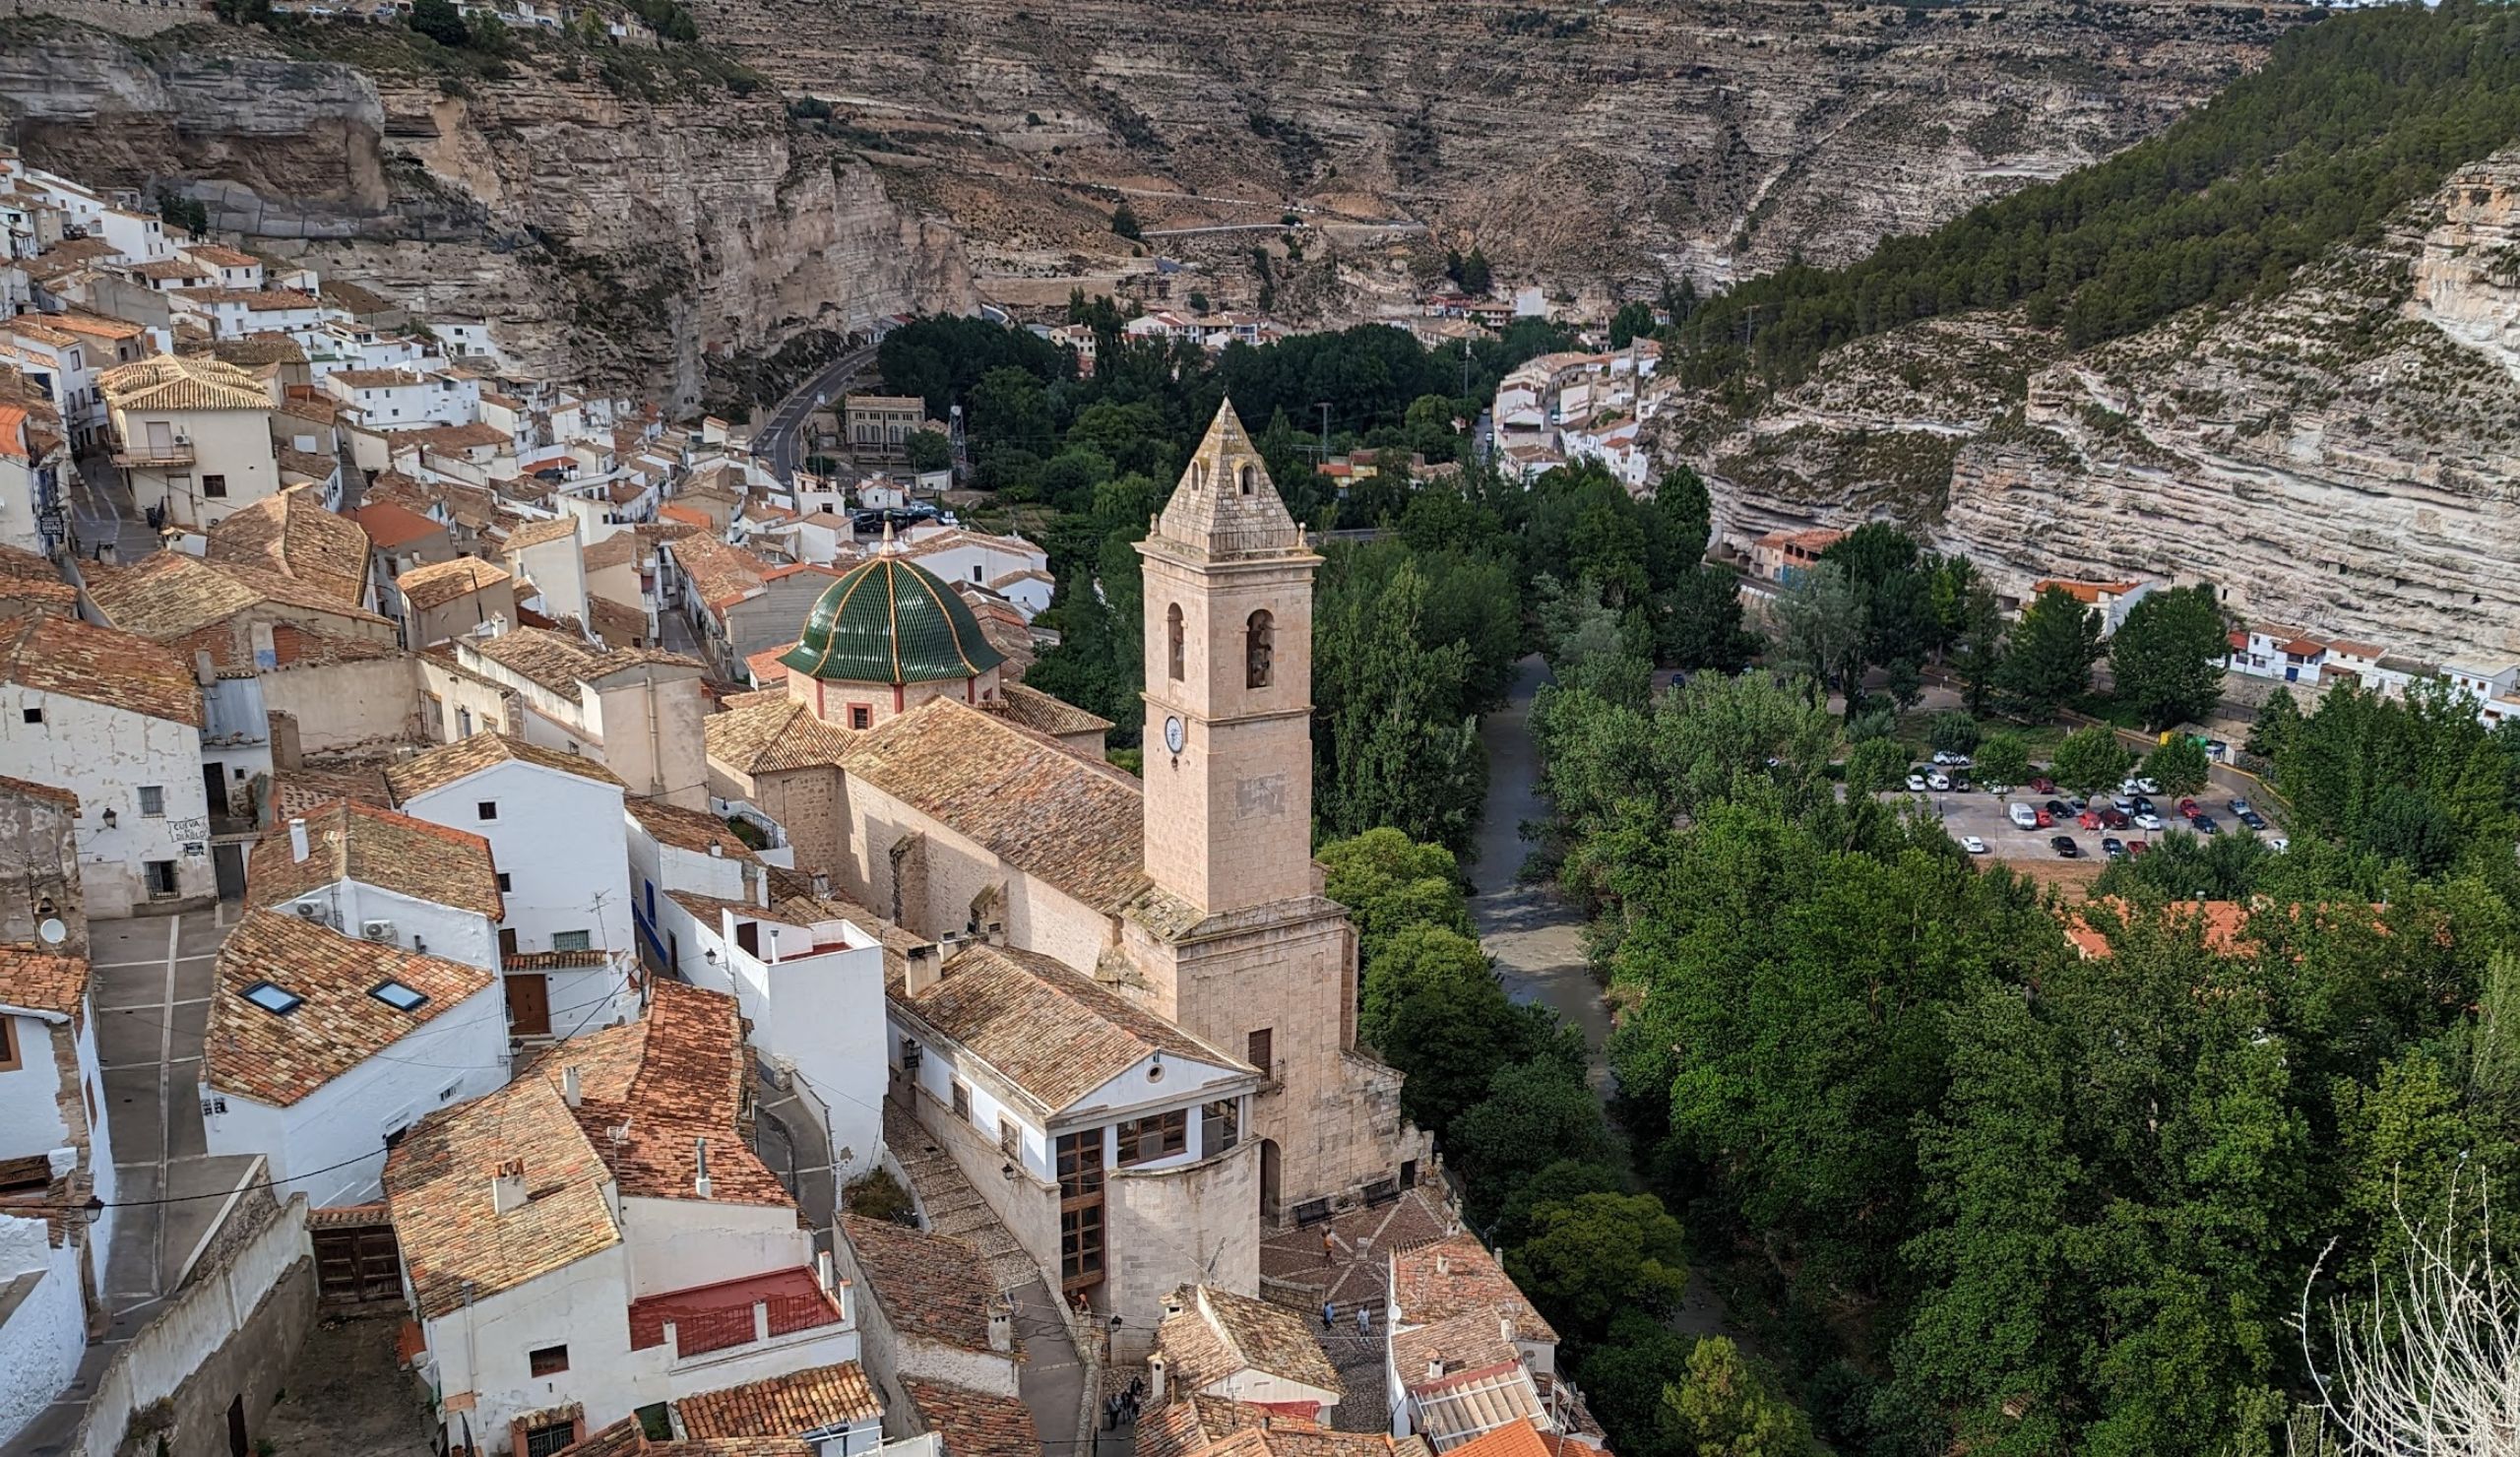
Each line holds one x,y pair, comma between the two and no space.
156,453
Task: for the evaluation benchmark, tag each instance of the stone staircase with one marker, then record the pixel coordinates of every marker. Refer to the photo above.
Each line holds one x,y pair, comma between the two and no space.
953,1207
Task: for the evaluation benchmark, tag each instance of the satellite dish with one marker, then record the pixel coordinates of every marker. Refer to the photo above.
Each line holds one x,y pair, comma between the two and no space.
53,931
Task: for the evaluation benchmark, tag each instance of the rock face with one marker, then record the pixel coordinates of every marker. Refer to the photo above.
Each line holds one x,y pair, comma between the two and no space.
2337,458
618,241
1595,146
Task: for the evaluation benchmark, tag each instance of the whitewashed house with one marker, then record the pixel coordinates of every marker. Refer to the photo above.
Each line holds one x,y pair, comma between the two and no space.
595,1237
116,720
1467,1353
325,1049
1213,1341
1009,566
809,981
55,1154
383,877
556,828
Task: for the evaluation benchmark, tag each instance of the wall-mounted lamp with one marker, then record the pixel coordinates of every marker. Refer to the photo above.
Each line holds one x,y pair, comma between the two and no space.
109,819
712,955
1007,1172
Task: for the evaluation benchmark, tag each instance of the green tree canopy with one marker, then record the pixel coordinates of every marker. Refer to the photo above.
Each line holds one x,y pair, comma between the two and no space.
2048,653
2179,767
1590,1258
1726,1406
2091,760
2168,656
2003,759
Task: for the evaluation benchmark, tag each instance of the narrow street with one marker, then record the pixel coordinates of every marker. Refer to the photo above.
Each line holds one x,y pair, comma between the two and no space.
780,441
1535,939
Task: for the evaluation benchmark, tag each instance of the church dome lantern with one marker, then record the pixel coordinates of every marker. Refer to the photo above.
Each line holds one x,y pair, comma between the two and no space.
891,621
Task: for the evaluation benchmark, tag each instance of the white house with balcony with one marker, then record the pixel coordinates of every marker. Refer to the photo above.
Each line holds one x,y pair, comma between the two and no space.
1109,1141
408,398
324,1047
596,1239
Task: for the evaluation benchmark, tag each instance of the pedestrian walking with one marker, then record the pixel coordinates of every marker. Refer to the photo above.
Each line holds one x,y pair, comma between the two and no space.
1327,1311
1329,1247
1365,1319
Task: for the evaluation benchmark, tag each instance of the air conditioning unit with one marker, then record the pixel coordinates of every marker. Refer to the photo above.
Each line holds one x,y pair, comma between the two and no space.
310,910
376,930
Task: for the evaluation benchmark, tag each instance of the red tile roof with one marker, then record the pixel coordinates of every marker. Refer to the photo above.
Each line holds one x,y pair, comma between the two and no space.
280,1058
353,840
41,981
99,664
974,1424
811,1400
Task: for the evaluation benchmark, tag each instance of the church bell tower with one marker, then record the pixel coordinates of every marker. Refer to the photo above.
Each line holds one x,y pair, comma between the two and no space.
1228,684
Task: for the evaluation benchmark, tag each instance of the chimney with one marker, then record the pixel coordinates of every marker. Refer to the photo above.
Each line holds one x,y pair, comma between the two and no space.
761,890
1173,1304
925,970
569,1093
297,848
1001,1328
507,1187
1443,1263
204,671
699,1180
1505,1328
1155,1379
1435,1368
822,1269
717,851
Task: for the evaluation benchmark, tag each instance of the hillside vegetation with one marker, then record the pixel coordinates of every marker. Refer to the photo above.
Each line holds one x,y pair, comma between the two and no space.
2351,119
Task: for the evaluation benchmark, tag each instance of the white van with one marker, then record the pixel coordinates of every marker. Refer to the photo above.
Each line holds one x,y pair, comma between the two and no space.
2025,816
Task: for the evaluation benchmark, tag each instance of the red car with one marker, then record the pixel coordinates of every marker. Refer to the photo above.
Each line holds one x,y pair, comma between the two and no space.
2046,819
2138,846
2043,785
2089,820
2187,809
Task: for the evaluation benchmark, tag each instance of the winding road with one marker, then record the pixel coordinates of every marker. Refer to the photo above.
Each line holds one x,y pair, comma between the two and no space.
783,439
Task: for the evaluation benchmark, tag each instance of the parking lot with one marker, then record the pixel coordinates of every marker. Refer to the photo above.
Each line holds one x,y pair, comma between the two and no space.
1974,812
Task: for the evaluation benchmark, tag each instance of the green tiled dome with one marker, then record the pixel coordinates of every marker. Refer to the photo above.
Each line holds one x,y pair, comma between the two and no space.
891,621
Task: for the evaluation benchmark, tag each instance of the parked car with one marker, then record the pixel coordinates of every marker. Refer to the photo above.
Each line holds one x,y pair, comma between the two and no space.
2024,816
2046,820
2143,805
1946,757
1916,784
2115,818
2138,846
2147,821
2204,824
2252,819
2145,785
2059,808
1973,844
2042,785
2188,808
2065,848
2114,848
2088,820
2278,844
1939,780
2236,806
2123,802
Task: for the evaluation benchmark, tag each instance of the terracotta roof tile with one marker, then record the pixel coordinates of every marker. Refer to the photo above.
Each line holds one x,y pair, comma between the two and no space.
1040,711
535,534
32,583
1219,1333
182,382
687,829
930,1285
41,981
310,787
450,762
719,573
439,583
1049,1030
811,1400
974,1424
99,664
770,737
348,841
1194,1425
676,1076
561,662
437,1184
171,595
291,533
390,524
280,1058
1075,825
1456,1277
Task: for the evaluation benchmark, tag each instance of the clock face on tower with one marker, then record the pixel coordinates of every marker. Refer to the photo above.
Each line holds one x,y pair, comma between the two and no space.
1174,734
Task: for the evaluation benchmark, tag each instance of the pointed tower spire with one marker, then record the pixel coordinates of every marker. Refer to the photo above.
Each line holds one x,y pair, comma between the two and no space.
1226,504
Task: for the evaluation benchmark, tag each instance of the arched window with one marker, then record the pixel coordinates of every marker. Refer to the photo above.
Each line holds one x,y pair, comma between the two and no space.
1173,641
1259,650
1248,477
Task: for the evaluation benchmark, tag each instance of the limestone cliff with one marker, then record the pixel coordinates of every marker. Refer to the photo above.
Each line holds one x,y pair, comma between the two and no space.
2338,456
621,230
1600,147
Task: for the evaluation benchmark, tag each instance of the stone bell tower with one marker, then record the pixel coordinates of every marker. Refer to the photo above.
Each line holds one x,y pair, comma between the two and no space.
1228,684
1234,939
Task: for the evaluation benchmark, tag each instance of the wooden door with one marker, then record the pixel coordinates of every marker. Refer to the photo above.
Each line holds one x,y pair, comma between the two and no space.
528,1005
353,1266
